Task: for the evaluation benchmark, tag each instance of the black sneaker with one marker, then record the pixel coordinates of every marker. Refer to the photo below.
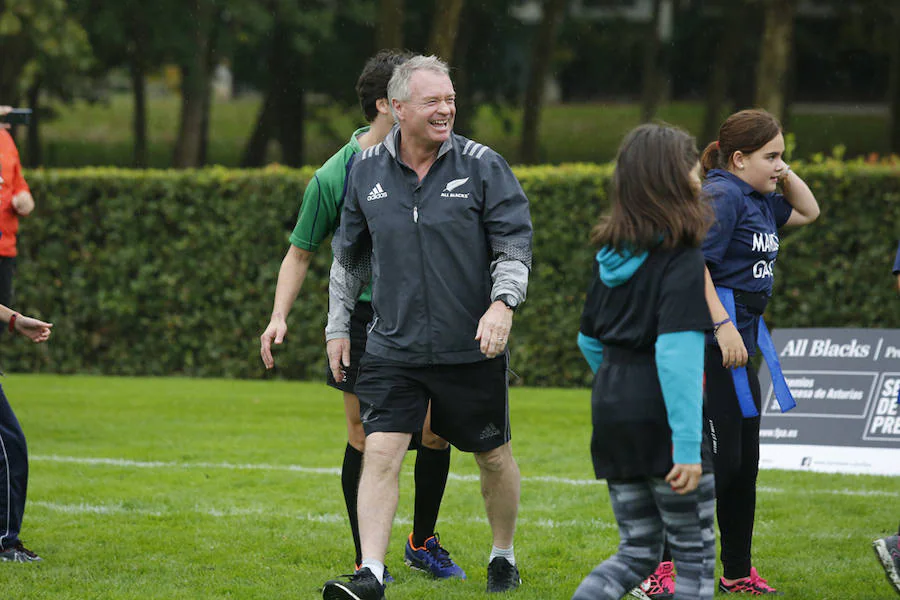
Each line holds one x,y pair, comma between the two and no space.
19,553
362,585
502,576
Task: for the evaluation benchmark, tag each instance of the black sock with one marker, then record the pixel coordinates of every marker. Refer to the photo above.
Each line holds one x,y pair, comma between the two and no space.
432,467
350,471
667,552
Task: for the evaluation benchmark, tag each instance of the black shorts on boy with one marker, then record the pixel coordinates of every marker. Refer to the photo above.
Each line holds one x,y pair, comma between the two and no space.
360,321
469,402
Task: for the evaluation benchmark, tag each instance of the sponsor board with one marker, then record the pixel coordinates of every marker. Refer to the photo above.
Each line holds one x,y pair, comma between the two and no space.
847,420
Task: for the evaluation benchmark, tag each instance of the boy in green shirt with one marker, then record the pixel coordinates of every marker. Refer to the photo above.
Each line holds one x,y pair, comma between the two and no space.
319,217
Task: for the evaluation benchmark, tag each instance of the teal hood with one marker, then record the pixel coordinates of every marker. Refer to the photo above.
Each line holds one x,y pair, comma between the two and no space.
617,267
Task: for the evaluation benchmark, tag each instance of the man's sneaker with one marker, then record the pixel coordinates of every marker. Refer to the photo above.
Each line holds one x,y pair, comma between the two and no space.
19,553
888,551
659,586
432,558
388,578
362,585
753,585
502,575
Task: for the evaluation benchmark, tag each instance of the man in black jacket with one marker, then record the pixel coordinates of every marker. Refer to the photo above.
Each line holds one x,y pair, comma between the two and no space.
442,228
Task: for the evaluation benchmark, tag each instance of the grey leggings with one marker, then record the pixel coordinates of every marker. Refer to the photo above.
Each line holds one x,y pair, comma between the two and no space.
649,513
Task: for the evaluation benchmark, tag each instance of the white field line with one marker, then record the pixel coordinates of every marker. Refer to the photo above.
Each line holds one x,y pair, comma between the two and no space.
133,464
118,509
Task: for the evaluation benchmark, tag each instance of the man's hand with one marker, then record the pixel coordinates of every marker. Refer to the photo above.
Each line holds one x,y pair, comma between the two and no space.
23,203
35,330
5,110
684,478
275,332
338,351
493,329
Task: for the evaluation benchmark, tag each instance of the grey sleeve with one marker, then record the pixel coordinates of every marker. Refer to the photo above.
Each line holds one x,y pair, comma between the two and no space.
351,268
507,222
343,290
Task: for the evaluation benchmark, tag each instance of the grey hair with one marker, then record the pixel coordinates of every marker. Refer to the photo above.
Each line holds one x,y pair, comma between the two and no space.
398,86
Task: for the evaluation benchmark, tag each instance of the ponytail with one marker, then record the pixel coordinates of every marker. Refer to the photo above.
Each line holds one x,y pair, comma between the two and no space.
711,158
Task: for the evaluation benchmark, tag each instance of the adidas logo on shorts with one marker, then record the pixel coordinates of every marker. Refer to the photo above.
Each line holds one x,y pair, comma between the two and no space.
376,193
490,431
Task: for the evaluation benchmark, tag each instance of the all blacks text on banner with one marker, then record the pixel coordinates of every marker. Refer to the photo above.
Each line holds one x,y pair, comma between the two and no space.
847,420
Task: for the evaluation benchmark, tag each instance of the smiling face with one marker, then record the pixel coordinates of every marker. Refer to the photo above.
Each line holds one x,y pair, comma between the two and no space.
762,168
426,118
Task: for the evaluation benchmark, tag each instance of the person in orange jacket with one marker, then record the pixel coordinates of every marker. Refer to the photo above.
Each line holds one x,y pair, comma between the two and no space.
15,202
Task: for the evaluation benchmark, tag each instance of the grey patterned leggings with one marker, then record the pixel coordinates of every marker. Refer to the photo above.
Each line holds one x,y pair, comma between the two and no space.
648,513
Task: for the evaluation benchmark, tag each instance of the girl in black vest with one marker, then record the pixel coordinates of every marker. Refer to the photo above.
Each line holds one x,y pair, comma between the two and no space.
642,332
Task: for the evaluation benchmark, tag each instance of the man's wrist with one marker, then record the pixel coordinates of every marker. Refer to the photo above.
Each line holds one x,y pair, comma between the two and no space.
509,301
336,335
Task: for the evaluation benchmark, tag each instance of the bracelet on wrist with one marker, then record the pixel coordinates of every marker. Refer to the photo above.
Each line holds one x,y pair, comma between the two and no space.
12,322
716,326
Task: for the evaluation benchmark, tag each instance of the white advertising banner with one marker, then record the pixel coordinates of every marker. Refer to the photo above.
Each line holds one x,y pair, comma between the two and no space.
847,420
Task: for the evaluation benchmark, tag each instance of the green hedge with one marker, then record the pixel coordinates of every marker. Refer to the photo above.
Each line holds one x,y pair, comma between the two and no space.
173,272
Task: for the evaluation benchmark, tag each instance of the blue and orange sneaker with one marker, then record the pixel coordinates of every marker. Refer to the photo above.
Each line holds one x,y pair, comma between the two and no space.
432,558
888,551
753,585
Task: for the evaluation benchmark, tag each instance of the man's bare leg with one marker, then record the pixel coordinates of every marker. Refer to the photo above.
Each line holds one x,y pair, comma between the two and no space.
379,491
500,488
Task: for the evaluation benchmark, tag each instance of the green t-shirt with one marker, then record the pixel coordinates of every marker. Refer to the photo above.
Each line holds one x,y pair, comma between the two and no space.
320,211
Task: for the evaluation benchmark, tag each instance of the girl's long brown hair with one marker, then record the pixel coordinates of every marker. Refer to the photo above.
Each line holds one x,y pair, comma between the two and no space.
654,199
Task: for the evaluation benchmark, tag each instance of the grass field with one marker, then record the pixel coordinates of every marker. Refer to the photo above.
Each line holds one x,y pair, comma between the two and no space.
180,488
100,133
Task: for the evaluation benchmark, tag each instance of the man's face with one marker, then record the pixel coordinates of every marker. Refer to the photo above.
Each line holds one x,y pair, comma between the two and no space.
428,115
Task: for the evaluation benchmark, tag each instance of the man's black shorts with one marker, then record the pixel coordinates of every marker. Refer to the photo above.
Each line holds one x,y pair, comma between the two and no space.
359,332
469,402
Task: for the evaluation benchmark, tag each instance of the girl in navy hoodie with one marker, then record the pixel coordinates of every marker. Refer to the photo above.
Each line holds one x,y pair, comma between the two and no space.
642,332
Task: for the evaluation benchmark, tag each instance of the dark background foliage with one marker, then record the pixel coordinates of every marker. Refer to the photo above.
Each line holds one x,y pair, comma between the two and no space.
173,272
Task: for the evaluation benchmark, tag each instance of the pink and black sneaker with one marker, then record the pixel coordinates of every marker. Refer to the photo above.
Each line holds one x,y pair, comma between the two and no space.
753,586
659,586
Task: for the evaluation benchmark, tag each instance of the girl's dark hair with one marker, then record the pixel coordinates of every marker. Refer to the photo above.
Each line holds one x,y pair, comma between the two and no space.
654,199
373,81
746,131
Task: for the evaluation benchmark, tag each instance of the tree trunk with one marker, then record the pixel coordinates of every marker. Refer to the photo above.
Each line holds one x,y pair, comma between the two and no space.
195,88
207,98
291,110
722,65
137,63
389,28
17,50
775,52
284,108
465,110
255,150
139,117
541,58
35,156
444,29
652,86
894,84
